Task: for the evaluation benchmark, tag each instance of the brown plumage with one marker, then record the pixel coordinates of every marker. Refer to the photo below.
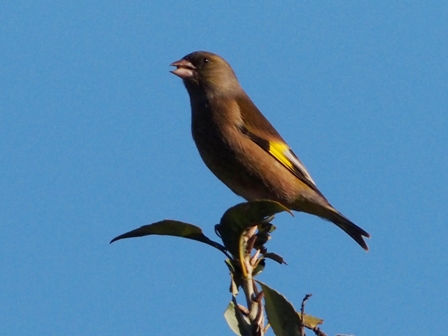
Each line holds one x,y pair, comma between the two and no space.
241,147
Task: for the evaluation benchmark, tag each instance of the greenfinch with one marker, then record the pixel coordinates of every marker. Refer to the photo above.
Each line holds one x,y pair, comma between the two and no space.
241,147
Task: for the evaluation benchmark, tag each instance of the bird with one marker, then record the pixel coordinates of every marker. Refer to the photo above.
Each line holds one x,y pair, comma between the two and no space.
241,147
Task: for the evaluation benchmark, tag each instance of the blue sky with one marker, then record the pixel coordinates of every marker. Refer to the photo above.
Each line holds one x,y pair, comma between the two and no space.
95,141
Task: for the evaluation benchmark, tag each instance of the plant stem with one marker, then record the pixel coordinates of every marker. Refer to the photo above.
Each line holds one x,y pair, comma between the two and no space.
254,305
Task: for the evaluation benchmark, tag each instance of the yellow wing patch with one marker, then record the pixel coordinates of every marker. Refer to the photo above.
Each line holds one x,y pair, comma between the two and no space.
277,150
283,154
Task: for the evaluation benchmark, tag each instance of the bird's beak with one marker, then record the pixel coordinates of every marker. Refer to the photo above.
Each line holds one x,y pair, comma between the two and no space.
184,69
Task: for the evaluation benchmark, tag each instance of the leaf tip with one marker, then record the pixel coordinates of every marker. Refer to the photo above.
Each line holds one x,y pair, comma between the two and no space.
116,238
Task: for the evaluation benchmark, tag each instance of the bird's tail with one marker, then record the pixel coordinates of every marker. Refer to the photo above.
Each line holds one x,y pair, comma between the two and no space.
345,224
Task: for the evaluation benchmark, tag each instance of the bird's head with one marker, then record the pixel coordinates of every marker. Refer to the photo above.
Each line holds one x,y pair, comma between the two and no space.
205,72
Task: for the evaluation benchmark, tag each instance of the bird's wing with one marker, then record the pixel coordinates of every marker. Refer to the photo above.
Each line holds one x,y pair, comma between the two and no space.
283,154
255,124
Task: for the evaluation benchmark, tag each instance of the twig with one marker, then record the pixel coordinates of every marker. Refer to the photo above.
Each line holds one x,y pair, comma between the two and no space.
253,296
302,310
319,332
302,315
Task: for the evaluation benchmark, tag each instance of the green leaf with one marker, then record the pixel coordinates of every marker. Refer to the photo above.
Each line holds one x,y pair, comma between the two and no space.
247,214
275,257
235,276
309,321
239,324
172,228
242,216
282,316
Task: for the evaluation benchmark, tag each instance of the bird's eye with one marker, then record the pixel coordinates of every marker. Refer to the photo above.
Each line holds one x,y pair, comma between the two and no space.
205,60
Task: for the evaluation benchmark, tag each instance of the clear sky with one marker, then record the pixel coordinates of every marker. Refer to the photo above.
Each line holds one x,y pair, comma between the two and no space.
95,141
